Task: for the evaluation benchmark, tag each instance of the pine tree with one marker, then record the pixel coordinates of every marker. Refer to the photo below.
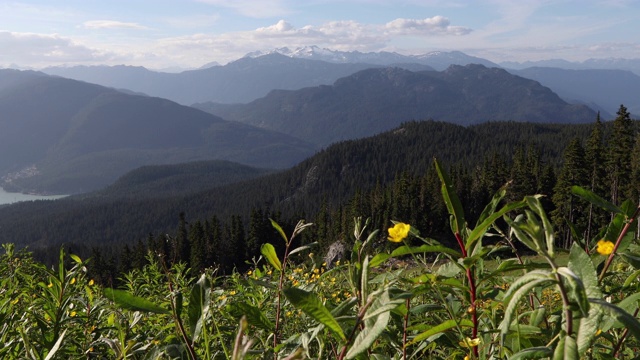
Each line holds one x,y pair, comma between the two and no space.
619,157
182,246
198,244
595,155
568,209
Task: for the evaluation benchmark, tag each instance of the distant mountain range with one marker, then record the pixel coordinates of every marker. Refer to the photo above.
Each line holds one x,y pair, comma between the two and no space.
602,90
258,73
438,60
379,99
63,136
632,65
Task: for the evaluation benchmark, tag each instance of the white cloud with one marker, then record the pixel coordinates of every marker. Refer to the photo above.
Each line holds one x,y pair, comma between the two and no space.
43,50
437,25
112,24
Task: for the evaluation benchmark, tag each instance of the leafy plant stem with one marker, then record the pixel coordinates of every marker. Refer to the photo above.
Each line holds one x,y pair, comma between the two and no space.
361,314
405,325
624,231
472,293
176,317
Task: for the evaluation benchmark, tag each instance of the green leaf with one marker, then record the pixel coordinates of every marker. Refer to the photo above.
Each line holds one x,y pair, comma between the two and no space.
442,327
532,353
595,199
535,205
407,250
519,288
451,200
312,306
303,248
621,315
56,346
369,334
131,302
566,350
580,263
254,316
269,253
280,231
199,299
577,289
482,227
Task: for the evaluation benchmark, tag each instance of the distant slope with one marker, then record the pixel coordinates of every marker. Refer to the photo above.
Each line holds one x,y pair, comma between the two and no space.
606,88
156,181
240,81
64,136
329,178
376,100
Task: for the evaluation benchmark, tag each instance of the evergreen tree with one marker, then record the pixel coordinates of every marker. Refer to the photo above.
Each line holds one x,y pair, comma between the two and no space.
619,157
182,246
568,209
198,248
598,181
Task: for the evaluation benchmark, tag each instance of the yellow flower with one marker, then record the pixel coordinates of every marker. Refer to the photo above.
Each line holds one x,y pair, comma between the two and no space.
73,281
91,282
469,342
605,247
398,232
232,292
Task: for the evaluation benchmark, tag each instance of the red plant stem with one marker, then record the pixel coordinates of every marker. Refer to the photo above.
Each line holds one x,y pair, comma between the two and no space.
617,244
404,332
472,293
624,336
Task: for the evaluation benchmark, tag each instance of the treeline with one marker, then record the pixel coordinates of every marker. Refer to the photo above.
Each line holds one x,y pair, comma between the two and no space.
387,177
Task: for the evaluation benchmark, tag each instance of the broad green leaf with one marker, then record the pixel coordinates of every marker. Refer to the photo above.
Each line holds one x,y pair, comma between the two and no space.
628,304
131,302
538,352
535,205
367,336
631,278
408,250
312,306
566,349
577,289
254,316
621,315
447,325
199,299
451,200
580,263
269,252
595,199
382,303
513,297
279,229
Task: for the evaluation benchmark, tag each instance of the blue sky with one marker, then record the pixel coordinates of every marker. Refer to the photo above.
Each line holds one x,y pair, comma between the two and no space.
189,33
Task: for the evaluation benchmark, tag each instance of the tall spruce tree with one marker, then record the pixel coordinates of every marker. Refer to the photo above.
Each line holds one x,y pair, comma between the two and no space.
568,208
619,157
595,155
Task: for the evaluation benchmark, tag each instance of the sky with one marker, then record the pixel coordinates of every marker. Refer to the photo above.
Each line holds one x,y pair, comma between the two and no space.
160,34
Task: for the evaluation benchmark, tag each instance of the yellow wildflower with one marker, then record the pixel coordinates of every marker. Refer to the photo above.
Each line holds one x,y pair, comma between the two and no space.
249,272
398,232
605,247
50,285
91,282
73,281
469,342
232,292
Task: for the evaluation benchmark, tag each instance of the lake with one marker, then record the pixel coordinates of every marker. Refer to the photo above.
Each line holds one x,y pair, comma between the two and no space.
10,198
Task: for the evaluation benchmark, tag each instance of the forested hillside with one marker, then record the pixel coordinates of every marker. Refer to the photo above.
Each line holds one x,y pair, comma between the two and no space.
376,100
63,136
386,177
